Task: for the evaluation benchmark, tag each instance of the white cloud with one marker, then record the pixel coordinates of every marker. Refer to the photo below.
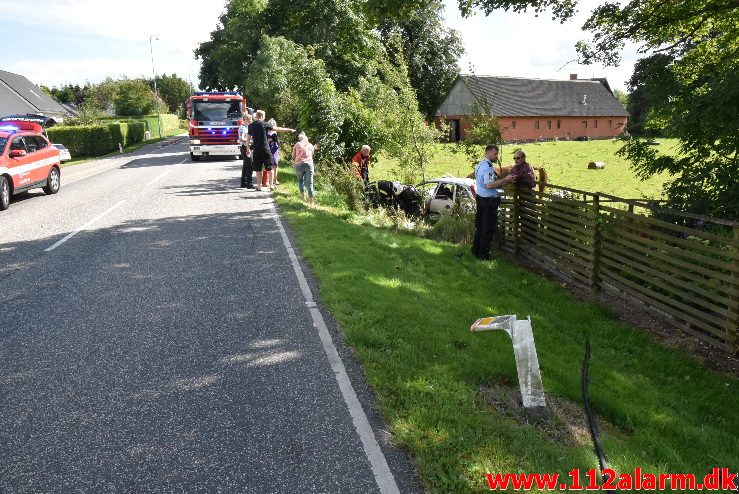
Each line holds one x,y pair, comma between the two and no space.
180,26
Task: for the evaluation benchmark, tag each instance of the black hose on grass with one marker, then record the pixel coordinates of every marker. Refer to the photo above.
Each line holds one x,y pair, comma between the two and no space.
593,425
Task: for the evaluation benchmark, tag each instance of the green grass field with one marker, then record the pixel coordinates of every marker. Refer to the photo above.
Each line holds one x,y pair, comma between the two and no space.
566,163
405,305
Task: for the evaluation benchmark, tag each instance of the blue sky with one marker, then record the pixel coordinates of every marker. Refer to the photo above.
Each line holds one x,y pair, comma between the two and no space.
87,40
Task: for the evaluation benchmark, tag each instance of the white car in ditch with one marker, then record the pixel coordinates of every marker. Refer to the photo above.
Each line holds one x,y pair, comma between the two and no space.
444,193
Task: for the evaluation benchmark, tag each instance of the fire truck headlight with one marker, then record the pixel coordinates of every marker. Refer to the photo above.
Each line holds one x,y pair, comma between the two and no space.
195,142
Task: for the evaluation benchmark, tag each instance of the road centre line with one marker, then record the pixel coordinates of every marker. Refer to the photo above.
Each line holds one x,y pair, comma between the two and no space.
378,463
60,242
160,176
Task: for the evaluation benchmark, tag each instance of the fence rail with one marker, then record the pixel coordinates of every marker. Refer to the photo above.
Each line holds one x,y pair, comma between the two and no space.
681,266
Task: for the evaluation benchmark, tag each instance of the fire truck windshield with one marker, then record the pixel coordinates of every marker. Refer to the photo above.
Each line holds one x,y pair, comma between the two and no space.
209,111
3,141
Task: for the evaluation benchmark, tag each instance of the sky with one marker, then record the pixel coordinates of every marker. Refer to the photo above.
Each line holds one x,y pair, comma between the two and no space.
73,41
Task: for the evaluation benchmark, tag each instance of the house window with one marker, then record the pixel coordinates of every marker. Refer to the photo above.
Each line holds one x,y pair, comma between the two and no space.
610,124
559,123
595,124
549,124
536,125
513,124
584,124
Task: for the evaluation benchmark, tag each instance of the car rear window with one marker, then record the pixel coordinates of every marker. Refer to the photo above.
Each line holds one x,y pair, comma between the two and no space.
3,142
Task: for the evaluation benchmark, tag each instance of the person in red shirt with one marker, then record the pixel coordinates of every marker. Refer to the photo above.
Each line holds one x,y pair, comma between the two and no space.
361,162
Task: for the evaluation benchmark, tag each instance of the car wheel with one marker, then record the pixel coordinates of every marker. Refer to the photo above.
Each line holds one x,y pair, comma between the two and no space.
53,182
194,157
4,194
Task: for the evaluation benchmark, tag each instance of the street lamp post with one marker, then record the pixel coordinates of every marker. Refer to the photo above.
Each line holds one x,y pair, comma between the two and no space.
154,75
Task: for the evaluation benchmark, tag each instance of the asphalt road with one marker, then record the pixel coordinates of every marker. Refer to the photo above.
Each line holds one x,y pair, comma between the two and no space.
155,337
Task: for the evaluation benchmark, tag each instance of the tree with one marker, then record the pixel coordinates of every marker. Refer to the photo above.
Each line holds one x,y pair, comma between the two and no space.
691,83
560,9
134,98
321,66
104,94
650,85
173,91
431,52
622,97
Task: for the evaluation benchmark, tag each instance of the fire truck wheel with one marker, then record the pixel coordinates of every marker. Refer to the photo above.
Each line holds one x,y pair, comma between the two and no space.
53,181
4,194
194,157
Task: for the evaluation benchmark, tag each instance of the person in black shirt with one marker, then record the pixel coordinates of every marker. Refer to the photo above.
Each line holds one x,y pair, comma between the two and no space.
246,168
262,156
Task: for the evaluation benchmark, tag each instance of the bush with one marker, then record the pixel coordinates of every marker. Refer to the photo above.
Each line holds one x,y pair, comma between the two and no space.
84,140
341,180
458,228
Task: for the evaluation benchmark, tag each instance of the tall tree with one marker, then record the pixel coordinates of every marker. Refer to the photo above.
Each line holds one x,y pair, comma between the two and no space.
650,85
692,83
431,51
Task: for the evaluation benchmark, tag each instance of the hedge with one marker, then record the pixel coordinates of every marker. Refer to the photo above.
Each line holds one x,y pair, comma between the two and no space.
96,140
84,140
170,122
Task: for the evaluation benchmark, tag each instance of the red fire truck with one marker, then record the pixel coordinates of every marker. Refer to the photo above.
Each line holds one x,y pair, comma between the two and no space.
214,123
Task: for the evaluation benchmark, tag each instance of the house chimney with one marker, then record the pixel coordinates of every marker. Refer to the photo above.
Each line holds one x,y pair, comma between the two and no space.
573,77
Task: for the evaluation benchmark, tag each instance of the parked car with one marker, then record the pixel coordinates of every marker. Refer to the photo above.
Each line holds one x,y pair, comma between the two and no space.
27,158
64,154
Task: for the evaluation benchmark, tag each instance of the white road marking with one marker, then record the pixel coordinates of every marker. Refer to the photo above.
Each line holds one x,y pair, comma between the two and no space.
160,176
378,462
60,242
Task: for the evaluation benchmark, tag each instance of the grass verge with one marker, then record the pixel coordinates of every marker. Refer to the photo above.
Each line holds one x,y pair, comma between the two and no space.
405,305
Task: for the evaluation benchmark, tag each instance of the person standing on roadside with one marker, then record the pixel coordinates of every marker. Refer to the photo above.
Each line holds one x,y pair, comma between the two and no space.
274,148
486,215
303,158
246,167
262,157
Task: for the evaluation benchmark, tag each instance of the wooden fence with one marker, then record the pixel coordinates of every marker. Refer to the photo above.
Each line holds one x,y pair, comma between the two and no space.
681,267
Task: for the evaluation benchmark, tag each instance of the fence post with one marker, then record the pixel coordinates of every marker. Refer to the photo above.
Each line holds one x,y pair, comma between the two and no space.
732,321
595,265
516,220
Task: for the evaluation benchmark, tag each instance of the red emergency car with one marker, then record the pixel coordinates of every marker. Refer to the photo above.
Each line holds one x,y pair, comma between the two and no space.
27,158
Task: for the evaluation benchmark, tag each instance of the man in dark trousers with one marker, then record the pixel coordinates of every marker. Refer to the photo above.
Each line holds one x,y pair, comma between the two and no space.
486,216
246,168
262,156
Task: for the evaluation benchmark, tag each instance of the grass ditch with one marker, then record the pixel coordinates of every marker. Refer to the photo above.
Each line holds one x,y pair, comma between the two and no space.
405,304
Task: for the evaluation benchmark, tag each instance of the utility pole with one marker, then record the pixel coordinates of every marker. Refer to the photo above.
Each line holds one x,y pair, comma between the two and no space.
154,75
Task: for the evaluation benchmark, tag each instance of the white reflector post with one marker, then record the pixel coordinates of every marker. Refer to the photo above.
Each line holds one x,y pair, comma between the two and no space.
524,350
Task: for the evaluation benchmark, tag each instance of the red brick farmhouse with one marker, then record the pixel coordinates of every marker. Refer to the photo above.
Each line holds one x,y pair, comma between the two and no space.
533,109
